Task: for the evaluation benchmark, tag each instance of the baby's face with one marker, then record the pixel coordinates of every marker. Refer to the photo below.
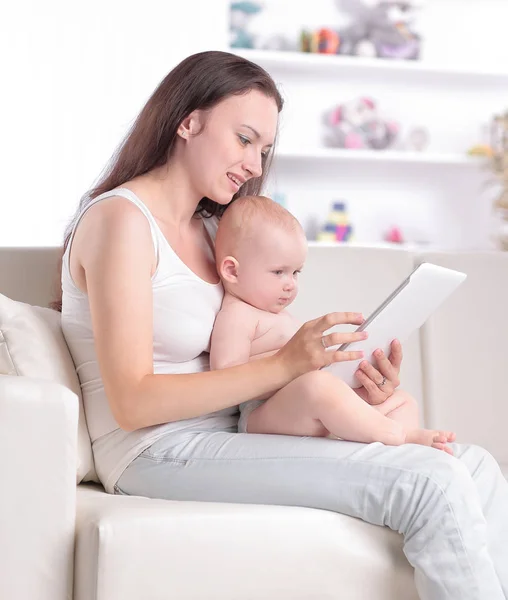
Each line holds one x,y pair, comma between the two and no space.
269,266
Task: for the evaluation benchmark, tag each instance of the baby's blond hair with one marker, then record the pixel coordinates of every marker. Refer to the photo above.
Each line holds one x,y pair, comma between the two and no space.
245,218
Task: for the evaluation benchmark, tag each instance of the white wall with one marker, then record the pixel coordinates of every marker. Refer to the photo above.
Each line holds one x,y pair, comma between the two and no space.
74,76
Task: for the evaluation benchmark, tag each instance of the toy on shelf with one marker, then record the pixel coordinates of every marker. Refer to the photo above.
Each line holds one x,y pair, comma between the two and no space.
489,141
416,139
280,198
250,27
357,125
327,233
384,29
240,15
323,41
481,150
394,235
337,227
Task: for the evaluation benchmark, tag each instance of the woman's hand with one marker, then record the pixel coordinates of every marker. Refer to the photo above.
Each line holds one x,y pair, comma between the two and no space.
307,349
379,384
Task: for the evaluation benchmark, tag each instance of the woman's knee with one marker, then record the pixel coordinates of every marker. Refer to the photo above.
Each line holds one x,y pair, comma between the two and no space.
425,484
442,469
475,458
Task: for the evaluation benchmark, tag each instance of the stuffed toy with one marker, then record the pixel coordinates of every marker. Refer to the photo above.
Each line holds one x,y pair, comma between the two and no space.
384,29
356,125
240,15
250,28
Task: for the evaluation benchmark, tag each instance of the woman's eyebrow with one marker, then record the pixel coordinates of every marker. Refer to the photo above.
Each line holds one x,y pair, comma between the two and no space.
256,133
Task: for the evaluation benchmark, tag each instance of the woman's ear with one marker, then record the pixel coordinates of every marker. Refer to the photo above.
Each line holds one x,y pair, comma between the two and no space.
228,269
191,125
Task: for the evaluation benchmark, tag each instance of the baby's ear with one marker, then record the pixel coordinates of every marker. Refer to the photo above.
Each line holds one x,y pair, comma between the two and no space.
229,269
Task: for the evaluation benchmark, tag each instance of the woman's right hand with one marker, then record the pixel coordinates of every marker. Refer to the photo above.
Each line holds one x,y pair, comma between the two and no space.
307,349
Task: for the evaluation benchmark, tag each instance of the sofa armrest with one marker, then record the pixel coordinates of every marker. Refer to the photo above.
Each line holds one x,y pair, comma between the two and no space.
38,439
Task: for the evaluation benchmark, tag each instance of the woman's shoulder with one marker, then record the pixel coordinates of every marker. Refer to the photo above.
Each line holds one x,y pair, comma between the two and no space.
114,215
111,223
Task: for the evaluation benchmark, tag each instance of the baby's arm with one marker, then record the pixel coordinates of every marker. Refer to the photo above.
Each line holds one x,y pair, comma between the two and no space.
232,336
231,342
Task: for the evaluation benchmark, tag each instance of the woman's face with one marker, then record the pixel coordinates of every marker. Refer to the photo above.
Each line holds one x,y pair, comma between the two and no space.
235,135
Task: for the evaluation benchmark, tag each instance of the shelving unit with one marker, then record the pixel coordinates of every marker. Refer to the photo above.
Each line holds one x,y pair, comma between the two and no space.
383,156
388,245
325,64
434,196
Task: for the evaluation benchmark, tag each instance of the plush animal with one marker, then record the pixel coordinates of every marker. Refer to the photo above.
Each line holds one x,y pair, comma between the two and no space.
356,125
385,29
250,28
240,15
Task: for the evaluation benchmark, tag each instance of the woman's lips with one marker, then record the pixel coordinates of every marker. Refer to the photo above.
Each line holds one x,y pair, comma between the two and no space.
234,185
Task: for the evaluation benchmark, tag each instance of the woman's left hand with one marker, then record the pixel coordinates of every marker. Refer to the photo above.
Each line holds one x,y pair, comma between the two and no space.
379,383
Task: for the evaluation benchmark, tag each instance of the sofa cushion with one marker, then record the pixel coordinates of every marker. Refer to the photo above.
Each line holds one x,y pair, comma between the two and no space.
129,547
32,344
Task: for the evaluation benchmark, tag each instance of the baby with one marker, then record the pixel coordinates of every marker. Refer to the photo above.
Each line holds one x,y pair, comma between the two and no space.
260,250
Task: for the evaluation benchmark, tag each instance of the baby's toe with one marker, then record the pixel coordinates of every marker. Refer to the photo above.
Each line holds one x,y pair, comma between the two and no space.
443,446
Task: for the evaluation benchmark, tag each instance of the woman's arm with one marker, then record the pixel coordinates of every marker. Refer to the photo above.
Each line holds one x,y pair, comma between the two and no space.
118,280
118,283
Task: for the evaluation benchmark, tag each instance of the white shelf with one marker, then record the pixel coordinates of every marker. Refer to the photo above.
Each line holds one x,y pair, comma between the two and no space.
326,64
383,156
407,246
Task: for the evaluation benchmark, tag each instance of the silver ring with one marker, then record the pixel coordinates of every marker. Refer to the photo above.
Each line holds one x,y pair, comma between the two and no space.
323,342
382,383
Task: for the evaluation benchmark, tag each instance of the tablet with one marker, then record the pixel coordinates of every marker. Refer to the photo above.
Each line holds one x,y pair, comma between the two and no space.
406,309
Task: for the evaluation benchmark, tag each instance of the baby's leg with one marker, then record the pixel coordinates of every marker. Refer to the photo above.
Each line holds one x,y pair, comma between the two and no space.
318,403
403,408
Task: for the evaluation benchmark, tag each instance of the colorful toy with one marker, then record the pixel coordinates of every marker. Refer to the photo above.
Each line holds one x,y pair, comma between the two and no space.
327,233
385,30
323,41
251,27
481,150
394,235
337,227
240,15
356,125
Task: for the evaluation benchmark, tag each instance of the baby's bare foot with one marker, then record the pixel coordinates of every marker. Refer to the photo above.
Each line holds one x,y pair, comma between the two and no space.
431,437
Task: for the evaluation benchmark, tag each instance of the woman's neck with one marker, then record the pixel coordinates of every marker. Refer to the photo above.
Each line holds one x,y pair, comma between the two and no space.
169,194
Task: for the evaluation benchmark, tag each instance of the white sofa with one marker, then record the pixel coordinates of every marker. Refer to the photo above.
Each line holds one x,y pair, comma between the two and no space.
59,540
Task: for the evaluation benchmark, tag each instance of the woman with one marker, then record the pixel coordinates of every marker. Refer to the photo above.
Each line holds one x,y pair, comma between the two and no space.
140,295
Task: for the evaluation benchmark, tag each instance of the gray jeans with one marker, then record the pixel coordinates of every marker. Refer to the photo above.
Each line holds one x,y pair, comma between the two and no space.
452,511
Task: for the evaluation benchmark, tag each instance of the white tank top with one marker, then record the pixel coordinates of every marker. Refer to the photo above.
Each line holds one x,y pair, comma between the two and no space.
184,311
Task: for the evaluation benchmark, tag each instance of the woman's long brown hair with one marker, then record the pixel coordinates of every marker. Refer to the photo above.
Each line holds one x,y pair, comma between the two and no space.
199,82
